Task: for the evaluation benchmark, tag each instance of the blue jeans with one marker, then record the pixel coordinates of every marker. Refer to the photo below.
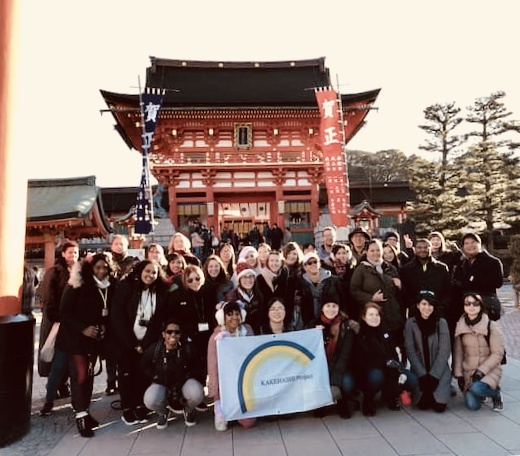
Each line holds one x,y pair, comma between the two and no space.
477,391
155,397
58,375
347,386
386,381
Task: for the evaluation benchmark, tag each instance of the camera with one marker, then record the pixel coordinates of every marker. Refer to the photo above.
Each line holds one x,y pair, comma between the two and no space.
143,322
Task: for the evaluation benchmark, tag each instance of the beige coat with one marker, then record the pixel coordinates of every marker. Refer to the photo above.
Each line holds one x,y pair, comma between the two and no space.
472,351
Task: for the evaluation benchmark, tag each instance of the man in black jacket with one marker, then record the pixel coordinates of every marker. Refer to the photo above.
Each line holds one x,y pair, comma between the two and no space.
168,364
425,273
479,272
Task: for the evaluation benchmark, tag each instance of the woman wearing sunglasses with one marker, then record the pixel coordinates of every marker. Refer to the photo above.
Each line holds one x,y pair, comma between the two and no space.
196,315
169,365
479,349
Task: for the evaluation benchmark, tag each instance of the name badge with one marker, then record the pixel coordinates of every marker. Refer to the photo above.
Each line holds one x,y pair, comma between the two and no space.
203,327
104,312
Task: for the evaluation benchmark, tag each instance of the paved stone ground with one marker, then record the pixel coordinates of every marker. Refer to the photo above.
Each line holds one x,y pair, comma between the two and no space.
410,432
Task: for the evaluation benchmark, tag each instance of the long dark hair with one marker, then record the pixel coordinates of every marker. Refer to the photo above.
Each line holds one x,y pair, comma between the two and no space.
137,271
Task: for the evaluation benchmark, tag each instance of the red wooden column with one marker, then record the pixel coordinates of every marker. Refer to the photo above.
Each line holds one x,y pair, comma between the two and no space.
13,182
16,331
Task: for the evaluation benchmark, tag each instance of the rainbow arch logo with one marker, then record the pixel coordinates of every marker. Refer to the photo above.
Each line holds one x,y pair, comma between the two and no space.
257,358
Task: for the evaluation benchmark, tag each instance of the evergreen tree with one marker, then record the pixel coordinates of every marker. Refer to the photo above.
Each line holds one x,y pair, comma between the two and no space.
489,167
441,121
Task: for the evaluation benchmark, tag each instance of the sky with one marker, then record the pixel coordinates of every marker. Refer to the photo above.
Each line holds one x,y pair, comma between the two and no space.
419,53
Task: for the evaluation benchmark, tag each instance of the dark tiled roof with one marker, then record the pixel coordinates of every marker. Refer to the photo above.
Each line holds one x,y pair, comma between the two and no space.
374,193
58,199
195,84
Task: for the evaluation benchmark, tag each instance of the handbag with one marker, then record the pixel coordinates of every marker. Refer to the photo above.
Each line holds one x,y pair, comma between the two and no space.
47,351
492,306
504,358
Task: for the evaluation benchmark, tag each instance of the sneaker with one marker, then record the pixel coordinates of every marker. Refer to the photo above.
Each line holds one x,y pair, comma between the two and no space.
111,389
83,427
394,404
162,422
189,416
141,414
220,424
91,421
176,406
202,407
129,417
498,404
46,409
369,407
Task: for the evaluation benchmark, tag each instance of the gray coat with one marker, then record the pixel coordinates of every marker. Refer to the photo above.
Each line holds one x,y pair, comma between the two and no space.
440,351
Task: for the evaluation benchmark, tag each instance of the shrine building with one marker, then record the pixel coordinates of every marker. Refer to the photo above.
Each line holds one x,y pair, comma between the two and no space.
237,143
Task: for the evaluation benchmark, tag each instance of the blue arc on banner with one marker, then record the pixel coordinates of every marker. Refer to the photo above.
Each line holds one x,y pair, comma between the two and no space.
259,356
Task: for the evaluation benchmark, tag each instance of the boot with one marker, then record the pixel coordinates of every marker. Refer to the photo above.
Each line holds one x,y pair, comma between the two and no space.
394,404
368,407
343,409
83,427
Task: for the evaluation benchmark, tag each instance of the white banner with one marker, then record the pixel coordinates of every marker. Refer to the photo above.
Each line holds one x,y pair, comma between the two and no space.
273,374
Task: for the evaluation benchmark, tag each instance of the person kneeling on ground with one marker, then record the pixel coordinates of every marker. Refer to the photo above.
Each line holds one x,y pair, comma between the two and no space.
377,364
479,350
427,342
338,337
169,365
230,317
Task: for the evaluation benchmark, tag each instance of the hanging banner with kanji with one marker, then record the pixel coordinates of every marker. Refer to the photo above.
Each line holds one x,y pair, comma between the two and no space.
335,167
151,102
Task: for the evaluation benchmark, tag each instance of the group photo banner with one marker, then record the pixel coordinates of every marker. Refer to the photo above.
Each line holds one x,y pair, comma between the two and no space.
273,374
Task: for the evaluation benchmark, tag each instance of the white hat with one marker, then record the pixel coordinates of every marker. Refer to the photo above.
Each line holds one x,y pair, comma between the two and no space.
310,255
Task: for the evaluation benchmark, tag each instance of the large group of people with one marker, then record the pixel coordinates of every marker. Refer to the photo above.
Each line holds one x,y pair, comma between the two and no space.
402,323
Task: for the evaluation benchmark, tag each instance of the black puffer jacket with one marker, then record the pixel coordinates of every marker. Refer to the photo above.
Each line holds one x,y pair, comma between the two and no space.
170,368
81,307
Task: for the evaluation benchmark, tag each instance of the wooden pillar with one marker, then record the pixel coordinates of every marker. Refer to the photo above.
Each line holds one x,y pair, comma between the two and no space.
50,251
13,181
16,329
315,208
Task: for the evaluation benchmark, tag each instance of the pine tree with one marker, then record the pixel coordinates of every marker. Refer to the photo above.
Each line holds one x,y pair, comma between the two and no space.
442,120
490,169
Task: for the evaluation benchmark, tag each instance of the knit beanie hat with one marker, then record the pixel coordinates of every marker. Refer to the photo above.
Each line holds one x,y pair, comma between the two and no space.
246,251
243,269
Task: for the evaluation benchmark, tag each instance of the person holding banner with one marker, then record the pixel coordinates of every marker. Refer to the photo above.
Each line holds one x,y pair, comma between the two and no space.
377,366
230,317
339,333
275,317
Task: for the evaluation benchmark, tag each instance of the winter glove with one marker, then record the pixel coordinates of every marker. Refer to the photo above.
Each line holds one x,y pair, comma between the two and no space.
477,376
462,384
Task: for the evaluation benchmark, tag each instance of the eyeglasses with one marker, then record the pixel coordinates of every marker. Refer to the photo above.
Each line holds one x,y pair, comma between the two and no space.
173,331
312,262
193,279
472,303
